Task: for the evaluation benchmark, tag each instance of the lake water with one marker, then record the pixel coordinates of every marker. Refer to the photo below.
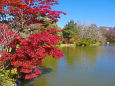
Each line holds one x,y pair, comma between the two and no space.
80,66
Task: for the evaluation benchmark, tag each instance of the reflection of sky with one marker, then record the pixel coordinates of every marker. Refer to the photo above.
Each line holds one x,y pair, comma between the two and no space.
109,51
102,73
108,48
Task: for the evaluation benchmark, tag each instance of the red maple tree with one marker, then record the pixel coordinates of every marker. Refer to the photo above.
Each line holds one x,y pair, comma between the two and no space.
33,49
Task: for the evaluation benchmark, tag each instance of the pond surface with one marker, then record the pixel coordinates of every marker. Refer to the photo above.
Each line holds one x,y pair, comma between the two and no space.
80,66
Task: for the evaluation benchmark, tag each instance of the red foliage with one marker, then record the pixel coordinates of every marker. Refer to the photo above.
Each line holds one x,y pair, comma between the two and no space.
7,35
32,51
28,10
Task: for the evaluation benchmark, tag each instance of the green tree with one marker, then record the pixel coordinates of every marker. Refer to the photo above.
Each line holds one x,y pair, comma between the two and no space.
70,30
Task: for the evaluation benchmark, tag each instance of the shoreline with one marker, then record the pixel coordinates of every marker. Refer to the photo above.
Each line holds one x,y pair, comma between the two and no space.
68,45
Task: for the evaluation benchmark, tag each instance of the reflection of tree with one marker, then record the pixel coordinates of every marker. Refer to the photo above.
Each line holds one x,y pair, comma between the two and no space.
90,53
50,62
81,55
69,54
41,81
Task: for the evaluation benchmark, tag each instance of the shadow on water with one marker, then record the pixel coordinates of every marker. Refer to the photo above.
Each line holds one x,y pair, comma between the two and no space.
45,70
21,82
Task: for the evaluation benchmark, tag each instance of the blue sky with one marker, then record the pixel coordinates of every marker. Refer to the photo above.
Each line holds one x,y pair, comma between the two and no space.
100,12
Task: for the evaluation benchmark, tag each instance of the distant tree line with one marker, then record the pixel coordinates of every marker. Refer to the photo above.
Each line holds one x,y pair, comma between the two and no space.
83,35
109,32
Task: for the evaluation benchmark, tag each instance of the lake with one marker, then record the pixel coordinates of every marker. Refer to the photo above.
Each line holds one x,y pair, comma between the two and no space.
80,66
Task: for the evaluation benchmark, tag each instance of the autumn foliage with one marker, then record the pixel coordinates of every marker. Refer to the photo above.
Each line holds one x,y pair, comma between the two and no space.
26,54
29,11
32,51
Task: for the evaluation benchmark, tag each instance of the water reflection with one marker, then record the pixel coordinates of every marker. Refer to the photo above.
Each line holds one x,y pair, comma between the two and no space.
81,66
81,55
